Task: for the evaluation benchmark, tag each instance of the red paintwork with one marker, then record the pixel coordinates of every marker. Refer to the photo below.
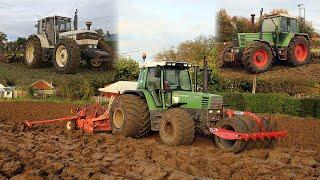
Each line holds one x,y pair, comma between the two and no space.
232,135
90,119
301,52
260,58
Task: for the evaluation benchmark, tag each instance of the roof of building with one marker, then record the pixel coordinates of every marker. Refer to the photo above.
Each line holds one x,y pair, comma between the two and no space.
279,15
42,85
164,63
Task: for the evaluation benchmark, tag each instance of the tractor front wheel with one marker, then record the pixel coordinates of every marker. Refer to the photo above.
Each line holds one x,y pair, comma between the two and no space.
176,127
67,56
299,51
106,65
232,124
257,57
33,52
129,116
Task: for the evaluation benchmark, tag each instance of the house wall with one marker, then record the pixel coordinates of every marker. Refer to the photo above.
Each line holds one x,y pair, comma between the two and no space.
8,94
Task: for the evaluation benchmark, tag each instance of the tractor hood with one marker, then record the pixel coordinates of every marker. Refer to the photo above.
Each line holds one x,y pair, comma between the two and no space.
197,100
75,32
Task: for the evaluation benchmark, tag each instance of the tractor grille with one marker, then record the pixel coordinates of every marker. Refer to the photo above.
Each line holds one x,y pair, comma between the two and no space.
216,103
205,102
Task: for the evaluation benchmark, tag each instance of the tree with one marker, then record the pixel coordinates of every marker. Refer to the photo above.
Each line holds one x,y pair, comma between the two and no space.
279,11
225,27
127,69
100,32
3,39
21,41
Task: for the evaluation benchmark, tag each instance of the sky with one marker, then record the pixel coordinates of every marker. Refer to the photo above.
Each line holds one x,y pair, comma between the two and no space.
150,26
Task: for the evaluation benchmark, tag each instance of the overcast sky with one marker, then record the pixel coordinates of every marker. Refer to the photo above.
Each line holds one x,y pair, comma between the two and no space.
149,26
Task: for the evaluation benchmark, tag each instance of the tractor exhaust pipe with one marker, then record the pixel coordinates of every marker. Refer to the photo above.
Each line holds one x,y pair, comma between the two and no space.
261,14
252,21
75,20
88,24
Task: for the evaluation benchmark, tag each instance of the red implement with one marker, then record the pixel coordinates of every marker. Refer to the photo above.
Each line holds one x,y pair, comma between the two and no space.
232,135
91,118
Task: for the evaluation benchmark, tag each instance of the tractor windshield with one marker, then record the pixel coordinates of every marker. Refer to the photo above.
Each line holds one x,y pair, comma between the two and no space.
177,79
269,24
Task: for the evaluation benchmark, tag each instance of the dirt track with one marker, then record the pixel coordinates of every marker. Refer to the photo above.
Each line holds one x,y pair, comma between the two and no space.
49,152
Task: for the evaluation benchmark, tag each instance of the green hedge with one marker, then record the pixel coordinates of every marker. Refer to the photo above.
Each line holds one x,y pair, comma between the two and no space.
274,103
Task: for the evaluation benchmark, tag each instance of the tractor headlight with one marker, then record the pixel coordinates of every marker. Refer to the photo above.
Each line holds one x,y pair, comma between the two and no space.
90,46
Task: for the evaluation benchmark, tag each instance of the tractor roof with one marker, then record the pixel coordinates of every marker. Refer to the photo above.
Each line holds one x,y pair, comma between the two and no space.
165,63
58,17
279,15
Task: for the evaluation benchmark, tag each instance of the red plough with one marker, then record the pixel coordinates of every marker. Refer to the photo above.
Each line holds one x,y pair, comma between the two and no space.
91,118
264,132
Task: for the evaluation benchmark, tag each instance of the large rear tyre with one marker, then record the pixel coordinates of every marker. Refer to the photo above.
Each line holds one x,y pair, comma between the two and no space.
129,116
176,127
106,65
33,52
299,51
257,57
67,57
233,124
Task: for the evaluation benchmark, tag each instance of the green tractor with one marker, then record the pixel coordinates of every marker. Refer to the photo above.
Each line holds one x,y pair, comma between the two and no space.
164,99
279,39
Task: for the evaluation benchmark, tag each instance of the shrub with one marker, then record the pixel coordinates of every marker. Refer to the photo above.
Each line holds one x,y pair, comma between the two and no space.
127,69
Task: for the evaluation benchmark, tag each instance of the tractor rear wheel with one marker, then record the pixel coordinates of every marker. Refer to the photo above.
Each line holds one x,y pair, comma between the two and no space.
299,51
257,57
33,52
233,124
106,65
130,117
176,127
66,56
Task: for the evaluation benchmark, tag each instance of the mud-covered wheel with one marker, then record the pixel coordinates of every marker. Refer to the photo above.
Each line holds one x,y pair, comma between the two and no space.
66,56
232,124
299,51
33,52
176,127
106,65
130,117
257,57
71,125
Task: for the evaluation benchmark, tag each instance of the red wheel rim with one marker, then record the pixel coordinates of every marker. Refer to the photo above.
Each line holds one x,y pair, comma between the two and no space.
301,52
260,58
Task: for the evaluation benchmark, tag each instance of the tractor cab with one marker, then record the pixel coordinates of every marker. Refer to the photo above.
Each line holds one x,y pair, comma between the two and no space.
161,79
280,23
53,26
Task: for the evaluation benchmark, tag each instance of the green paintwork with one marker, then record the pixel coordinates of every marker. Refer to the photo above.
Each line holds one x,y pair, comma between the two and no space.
280,37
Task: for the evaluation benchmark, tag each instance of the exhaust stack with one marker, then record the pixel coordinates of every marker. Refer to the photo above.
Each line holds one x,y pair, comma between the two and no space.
88,24
252,21
261,14
75,20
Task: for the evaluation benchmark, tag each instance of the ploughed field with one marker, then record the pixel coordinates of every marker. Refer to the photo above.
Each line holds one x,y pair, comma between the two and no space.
47,152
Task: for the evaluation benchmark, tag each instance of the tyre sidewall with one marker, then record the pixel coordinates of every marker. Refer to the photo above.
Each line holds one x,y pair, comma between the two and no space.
74,58
37,54
262,46
291,51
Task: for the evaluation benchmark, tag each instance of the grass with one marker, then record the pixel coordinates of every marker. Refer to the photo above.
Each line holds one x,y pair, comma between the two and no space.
16,73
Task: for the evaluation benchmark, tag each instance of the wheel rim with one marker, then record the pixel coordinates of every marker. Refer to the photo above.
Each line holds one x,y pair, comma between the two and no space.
61,56
69,125
260,58
168,129
29,53
301,52
118,118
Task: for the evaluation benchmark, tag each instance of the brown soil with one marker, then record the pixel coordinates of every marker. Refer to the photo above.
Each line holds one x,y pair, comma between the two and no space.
50,152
